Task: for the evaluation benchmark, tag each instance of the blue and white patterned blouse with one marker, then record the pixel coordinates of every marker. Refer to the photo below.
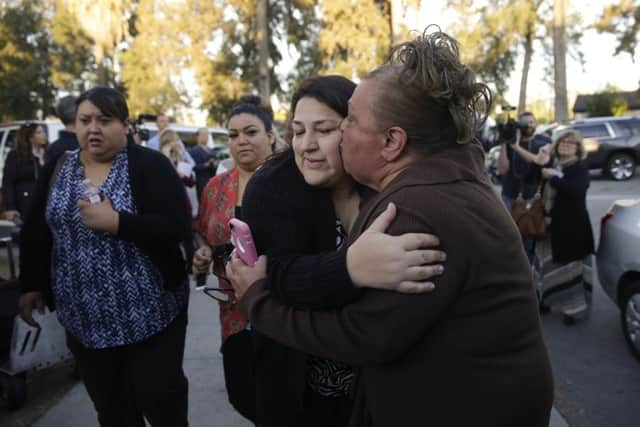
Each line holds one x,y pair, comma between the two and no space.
107,291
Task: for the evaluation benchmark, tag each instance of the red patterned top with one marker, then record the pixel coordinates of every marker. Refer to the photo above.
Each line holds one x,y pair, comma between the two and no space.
217,207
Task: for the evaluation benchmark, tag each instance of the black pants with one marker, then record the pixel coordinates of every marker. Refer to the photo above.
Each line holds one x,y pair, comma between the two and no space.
143,379
239,376
322,411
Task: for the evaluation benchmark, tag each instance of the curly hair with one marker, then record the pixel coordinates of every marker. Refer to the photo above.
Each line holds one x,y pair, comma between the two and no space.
425,89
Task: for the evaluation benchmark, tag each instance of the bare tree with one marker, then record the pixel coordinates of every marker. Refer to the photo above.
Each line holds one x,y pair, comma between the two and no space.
262,36
559,57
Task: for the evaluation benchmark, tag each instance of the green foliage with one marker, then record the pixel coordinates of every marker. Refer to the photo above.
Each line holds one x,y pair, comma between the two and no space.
151,65
623,20
607,103
73,64
25,80
232,69
170,54
355,36
494,33
490,35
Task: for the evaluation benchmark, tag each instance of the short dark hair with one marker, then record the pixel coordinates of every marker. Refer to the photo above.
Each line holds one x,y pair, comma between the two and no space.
109,101
333,91
254,105
66,109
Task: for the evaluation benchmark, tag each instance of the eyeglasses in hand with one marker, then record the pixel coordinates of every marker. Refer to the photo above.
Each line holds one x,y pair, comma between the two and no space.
220,294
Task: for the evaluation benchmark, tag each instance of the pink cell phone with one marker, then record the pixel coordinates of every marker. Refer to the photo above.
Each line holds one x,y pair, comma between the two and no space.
243,241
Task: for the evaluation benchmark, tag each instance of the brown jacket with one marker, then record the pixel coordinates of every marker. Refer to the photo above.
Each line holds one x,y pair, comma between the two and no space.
469,353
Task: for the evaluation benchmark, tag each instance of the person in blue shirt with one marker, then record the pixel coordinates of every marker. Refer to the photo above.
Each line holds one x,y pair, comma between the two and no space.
162,122
204,159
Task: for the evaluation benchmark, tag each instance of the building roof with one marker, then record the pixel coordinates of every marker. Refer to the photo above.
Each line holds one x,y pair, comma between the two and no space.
632,98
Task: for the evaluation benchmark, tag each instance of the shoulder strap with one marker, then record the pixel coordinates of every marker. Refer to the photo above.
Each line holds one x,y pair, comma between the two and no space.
63,157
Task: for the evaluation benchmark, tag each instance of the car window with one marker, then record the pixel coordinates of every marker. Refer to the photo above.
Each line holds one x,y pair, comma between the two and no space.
11,140
219,138
593,131
621,129
635,127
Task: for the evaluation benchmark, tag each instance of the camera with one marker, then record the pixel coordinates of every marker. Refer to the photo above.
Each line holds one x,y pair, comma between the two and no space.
507,130
137,129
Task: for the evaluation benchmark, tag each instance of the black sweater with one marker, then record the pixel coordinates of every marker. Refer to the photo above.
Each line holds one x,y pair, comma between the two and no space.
162,221
294,224
571,233
18,182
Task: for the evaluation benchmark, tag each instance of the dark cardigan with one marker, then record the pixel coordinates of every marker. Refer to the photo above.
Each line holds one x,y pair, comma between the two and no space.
571,233
18,182
294,224
162,221
469,353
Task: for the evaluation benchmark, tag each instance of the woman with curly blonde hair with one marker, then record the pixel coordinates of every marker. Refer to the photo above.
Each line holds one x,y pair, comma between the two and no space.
472,351
563,270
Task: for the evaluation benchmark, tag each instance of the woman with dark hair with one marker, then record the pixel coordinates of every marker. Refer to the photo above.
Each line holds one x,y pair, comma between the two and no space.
107,222
21,169
472,351
300,206
250,138
565,256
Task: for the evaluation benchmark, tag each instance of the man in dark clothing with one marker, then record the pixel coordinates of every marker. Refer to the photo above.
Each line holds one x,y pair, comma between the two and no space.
66,111
205,160
519,173
520,165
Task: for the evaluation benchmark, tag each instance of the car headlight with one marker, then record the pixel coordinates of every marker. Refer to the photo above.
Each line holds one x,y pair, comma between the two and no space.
591,145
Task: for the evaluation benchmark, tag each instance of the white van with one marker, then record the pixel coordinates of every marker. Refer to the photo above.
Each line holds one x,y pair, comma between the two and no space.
188,134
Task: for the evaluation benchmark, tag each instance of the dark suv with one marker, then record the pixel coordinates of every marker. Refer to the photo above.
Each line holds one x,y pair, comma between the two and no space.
612,144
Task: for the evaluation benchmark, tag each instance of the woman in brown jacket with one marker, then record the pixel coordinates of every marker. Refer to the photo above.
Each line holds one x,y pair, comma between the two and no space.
472,351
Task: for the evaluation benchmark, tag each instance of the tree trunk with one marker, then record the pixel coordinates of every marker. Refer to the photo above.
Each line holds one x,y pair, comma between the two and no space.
559,62
103,73
528,53
262,40
395,15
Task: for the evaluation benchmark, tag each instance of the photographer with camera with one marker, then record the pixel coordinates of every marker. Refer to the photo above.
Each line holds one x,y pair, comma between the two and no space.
522,155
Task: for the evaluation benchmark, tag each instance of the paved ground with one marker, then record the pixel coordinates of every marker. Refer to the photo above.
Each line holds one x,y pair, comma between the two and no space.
57,400
597,379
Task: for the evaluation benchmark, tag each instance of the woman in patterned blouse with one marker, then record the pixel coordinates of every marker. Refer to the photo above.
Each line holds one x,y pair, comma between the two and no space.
116,276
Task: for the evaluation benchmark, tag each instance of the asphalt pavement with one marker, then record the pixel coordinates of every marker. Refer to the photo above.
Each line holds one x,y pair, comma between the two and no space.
597,380
57,400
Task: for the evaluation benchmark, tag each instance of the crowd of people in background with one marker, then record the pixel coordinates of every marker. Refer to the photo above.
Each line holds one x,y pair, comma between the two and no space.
392,283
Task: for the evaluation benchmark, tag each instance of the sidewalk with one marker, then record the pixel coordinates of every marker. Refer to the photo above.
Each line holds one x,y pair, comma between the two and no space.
208,404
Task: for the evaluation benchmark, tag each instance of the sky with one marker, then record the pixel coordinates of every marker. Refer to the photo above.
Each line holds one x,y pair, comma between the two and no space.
600,66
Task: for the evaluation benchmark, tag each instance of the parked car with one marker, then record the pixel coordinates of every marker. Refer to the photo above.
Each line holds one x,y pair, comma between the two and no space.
618,260
612,144
188,134
9,132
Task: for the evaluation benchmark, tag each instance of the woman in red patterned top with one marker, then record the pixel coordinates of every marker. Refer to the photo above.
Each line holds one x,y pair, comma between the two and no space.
250,140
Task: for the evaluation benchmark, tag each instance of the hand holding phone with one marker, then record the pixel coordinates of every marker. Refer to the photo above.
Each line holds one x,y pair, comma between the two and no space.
243,242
